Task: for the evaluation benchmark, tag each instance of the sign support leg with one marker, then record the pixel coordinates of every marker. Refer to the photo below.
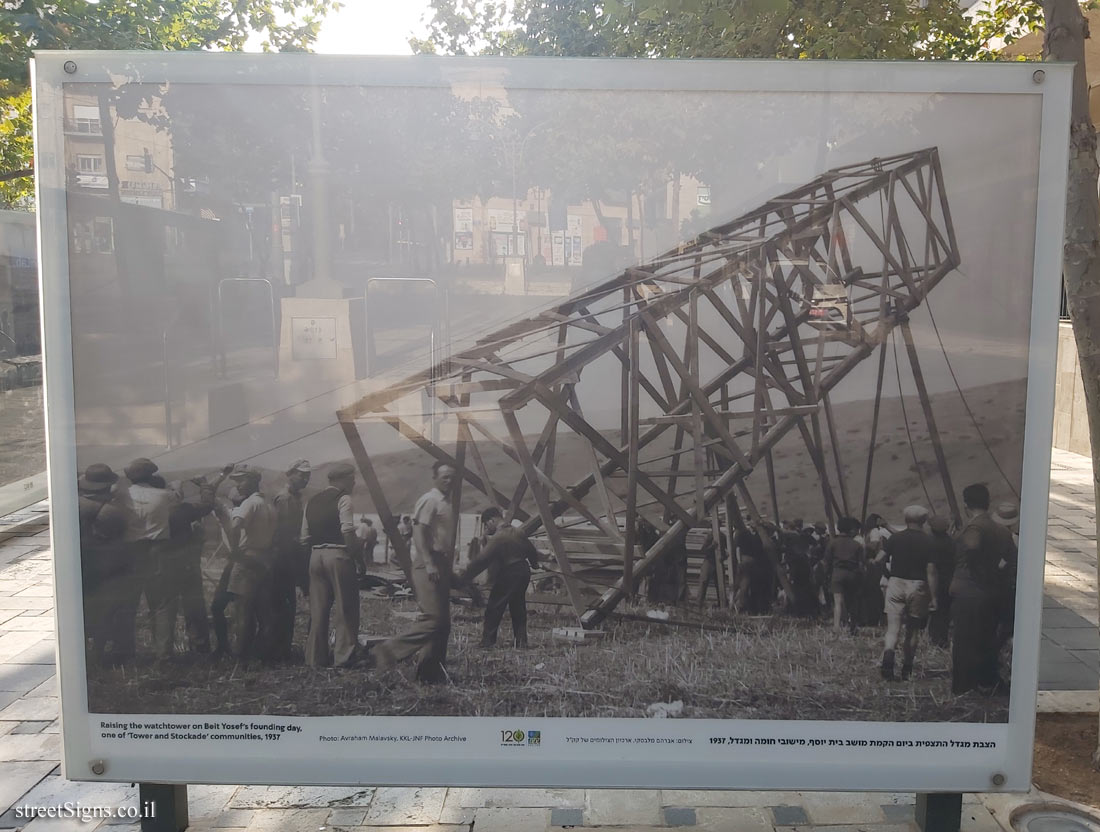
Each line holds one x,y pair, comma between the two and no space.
939,812
163,807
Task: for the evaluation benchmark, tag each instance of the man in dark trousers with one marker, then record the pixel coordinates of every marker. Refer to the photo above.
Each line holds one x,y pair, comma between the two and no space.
105,565
335,563
980,550
509,556
291,568
186,534
431,569
911,589
939,622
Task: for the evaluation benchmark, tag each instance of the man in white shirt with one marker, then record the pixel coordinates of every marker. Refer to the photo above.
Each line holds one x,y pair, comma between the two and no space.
432,562
148,505
251,532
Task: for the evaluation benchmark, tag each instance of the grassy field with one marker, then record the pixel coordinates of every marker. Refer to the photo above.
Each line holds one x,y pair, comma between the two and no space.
755,668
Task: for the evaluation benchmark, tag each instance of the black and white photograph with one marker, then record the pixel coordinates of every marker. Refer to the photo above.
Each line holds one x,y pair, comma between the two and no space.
485,398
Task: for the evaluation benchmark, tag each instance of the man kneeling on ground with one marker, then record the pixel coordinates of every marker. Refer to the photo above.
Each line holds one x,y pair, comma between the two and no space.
509,556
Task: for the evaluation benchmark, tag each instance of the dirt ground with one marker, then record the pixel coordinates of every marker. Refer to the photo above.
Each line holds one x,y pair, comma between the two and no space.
1064,744
771,667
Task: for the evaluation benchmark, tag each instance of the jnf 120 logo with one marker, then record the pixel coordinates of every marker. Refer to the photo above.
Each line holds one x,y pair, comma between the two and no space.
518,737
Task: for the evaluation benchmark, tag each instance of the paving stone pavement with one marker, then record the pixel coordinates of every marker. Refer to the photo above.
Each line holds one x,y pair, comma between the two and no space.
30,747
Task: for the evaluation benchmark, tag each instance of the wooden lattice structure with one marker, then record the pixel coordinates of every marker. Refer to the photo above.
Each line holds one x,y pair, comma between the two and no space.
725,344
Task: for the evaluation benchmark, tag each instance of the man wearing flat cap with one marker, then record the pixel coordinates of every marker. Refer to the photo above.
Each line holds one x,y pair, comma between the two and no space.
148,507
106,571
291,566
911,589
251,531
335,561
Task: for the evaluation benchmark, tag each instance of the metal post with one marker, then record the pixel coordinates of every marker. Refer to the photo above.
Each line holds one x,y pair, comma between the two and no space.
163,807
939,812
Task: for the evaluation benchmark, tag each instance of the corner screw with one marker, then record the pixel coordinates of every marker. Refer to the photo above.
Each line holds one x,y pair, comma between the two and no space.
1039,75
998,779
70,67
98,766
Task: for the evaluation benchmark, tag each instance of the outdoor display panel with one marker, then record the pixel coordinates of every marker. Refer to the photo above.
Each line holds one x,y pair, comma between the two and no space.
750,362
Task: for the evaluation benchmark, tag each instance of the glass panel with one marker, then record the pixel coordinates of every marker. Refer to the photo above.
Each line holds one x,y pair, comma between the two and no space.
680,337
22,431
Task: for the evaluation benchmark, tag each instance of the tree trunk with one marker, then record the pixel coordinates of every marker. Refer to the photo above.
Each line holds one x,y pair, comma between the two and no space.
1066,30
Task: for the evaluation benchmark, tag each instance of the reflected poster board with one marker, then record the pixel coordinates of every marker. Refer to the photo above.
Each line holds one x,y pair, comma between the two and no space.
549,422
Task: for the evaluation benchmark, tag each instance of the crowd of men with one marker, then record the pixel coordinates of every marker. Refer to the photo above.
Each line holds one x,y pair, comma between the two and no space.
954,582
143,538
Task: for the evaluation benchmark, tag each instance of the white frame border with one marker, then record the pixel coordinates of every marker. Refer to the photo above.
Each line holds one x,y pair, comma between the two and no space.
209,764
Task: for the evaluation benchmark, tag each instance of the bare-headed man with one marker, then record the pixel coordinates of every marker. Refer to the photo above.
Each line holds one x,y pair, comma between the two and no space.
432,562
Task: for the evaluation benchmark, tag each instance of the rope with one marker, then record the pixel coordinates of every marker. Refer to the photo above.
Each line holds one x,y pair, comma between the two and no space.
969,412
905,419
958,387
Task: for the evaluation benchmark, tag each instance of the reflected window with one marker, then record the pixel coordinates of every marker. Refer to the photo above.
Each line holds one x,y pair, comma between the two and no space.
86,120
89,164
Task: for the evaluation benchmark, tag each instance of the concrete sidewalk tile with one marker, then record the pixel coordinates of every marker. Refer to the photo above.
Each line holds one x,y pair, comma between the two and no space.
233,817
30,747
35,591
679,816
47,688
790,816
530,798
32,726
899,812
394,806
7,727
566,817
44,652
640,807
1074,638
1075,676
14,643
299,797
721,819
841,807
435,827
208,801
705,797
20,778
1063,618
460,815
977,818
10,602
41,624
515,820
1051,653
281,820
39,707
1068,702
347,817
863,827
22,678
